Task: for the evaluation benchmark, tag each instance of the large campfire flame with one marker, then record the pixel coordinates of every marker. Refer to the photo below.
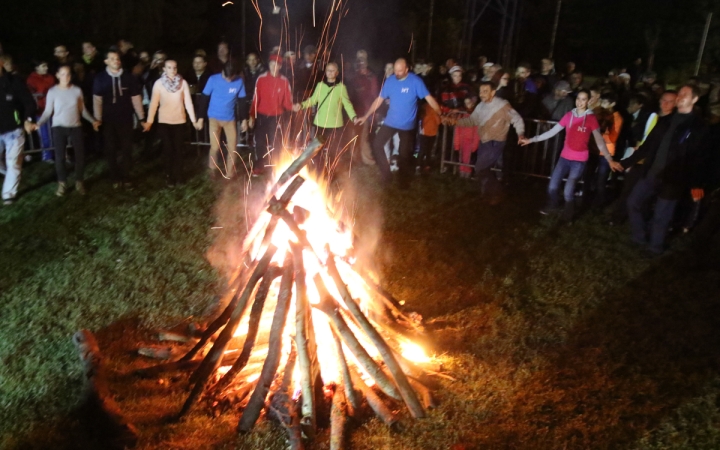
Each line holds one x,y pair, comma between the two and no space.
307,334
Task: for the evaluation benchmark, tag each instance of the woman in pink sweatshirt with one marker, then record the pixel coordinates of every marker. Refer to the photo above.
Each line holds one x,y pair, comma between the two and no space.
170,99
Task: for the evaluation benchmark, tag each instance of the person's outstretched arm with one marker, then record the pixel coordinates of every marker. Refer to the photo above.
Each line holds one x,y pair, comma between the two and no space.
546,135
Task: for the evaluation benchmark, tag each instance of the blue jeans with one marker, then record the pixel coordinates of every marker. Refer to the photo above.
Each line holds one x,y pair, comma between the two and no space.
645,191
573,170
488,155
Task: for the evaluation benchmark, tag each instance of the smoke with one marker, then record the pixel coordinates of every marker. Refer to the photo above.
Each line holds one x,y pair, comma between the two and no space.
235,210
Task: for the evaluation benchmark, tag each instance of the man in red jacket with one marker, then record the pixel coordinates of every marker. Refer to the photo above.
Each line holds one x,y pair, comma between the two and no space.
271,99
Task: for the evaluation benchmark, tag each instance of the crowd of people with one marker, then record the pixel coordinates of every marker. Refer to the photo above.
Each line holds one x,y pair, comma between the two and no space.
626,136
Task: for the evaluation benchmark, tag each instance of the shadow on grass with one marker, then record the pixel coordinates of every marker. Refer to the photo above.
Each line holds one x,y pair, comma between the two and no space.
648,347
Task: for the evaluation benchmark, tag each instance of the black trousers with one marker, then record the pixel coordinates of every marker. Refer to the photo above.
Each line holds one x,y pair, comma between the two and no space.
426,146
407,143
267,137
117,142
631,178
329,158
60,139
172,137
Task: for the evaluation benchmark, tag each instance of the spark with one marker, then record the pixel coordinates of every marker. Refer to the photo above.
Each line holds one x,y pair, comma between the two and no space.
228,3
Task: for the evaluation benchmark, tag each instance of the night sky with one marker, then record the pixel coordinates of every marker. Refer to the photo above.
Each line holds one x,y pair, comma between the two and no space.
597,34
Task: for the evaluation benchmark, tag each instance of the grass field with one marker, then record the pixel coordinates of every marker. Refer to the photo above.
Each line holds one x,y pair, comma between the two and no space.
558,336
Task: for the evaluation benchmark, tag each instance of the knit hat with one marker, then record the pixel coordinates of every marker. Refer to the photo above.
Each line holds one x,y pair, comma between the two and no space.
562,85
277,58
488,64
454,69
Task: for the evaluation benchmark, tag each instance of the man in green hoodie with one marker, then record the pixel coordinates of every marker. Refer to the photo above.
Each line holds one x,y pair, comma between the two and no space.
331,97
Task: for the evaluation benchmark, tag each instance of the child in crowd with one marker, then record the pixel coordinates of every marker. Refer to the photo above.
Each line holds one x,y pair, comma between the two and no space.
39,83
429,125
466,139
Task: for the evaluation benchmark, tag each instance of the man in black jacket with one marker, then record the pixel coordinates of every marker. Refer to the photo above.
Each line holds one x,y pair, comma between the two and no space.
16,102
674,153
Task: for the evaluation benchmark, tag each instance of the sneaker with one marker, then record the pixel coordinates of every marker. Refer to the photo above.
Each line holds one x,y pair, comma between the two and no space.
257,171
169,183
80,188
117,185
61,189
8,201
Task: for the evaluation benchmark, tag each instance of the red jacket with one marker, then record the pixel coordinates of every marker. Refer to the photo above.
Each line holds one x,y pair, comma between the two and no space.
272,96
39,85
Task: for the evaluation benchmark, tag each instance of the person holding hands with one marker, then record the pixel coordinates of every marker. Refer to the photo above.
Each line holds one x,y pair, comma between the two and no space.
171,99
331,97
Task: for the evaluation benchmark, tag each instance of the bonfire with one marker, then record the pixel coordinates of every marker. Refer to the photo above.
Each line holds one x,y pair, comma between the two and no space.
308,337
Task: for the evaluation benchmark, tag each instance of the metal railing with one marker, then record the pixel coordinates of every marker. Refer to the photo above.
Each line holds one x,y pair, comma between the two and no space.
534,160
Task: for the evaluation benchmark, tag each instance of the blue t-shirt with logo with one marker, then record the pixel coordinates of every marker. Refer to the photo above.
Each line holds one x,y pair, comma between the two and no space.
404,96
222,96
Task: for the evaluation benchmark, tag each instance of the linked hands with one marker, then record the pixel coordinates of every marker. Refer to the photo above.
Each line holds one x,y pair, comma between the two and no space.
616,166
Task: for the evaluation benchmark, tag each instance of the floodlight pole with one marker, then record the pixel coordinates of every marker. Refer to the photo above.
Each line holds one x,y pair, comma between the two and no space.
554,30
430,24
702,43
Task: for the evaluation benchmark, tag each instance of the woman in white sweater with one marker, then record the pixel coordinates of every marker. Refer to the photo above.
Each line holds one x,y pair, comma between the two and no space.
171,98
65,105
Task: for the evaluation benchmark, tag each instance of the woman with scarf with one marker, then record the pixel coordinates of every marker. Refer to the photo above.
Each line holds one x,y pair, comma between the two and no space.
170,98
580,124
331,97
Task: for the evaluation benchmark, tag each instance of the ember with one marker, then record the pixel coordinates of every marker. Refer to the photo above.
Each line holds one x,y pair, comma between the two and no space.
306,334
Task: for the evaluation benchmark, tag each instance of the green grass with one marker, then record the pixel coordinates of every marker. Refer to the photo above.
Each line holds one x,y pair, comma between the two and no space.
558,337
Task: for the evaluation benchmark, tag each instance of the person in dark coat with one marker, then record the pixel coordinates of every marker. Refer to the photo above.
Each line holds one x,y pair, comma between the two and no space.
674,152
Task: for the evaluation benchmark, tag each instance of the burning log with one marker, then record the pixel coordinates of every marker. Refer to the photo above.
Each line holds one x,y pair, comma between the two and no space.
338,419
253,326
283,408
272,360
97,400
312,149
353,403
375,402
212,360
306,347
386,352
427,398
330,308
